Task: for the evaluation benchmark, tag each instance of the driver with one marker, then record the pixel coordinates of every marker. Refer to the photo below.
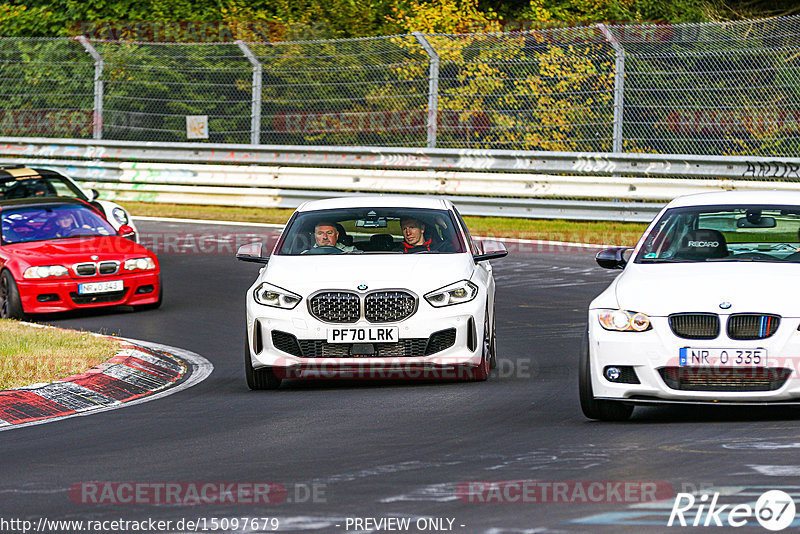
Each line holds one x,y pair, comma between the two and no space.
327,235
65,224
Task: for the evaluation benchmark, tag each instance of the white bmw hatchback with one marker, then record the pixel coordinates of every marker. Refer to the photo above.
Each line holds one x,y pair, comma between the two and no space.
705,310
372,287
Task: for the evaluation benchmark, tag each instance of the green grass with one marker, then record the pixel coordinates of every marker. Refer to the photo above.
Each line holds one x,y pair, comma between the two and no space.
598,232
30,355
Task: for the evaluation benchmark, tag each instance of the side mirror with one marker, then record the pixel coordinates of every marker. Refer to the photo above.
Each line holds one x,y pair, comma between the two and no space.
612,258
93,194
492,250
126,232
251,253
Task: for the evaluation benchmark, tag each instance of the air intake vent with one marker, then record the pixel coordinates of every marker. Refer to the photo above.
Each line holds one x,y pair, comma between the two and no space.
336,307
85,269
752,326
108,267
389,306
739,379
695,325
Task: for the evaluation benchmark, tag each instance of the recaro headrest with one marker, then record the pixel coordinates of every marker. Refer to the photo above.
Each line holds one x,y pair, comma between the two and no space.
703,244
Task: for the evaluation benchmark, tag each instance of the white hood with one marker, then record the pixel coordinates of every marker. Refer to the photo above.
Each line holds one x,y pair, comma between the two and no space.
662,289
420,273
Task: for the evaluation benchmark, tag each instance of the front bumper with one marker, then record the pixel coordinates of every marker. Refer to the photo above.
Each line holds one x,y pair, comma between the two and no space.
654,356
58,295
434,343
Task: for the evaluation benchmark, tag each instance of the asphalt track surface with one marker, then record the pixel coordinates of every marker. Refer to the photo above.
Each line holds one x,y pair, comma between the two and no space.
391,449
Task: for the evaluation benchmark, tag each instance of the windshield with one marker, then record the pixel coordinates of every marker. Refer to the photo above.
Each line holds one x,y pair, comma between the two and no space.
724,233
52,222
50,185
371,231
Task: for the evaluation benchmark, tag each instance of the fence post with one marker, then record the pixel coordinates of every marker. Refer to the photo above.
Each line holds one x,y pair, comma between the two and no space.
433,87
619,85
97,112
255,108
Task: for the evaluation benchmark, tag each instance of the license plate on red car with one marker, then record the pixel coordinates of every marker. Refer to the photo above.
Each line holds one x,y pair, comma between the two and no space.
108,286
364,334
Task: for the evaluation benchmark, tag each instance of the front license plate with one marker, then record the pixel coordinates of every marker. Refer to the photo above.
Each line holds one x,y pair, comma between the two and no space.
100,287
364,334
696,357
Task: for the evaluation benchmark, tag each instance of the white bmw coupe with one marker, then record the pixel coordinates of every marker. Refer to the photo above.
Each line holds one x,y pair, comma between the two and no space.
372,287
706,309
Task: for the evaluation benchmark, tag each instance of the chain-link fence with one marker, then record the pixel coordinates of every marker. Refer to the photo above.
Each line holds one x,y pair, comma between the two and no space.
729,88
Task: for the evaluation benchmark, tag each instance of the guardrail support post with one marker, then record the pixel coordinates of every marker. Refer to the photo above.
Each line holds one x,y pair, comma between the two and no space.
433,87
97,111
255,108
619,85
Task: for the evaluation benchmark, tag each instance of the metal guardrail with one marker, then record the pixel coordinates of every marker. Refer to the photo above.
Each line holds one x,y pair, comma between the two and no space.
576,163
502,183
262,187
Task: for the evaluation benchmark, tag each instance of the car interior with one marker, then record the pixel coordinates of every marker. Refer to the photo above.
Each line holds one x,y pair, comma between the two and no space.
371,234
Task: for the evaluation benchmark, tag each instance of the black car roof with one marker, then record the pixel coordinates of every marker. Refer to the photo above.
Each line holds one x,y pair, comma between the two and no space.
23,171
42,201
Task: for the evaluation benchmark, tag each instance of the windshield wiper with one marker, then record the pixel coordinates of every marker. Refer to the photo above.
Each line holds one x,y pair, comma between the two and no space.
734,258
666,260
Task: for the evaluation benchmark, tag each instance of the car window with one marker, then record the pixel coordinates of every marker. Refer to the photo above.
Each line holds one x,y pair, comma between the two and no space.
724,233
38,186
52,222
370,230
472,245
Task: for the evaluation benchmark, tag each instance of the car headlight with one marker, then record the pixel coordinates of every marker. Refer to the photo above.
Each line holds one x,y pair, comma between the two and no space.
624,321
274,296
45,271
119,215
142,264
458,293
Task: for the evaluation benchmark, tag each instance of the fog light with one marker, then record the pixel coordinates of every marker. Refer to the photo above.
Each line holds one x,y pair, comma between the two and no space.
621,374
613,373
144,289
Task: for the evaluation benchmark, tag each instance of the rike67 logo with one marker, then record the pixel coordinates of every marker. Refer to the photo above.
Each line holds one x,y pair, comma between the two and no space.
774,510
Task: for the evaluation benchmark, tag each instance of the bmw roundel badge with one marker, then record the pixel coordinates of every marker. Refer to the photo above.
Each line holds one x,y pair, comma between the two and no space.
362,287
724,305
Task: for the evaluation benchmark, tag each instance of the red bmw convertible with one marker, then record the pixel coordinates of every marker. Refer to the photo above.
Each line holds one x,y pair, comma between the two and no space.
60,254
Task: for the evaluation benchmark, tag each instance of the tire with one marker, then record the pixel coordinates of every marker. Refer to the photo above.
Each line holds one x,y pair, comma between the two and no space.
258,379
10,303
153,305
603,410
481,372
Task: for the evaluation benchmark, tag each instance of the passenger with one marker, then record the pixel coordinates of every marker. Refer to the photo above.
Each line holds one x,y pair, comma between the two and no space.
326,235
414,237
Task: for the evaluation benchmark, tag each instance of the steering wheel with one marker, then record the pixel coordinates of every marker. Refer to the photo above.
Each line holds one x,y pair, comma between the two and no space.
325,250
